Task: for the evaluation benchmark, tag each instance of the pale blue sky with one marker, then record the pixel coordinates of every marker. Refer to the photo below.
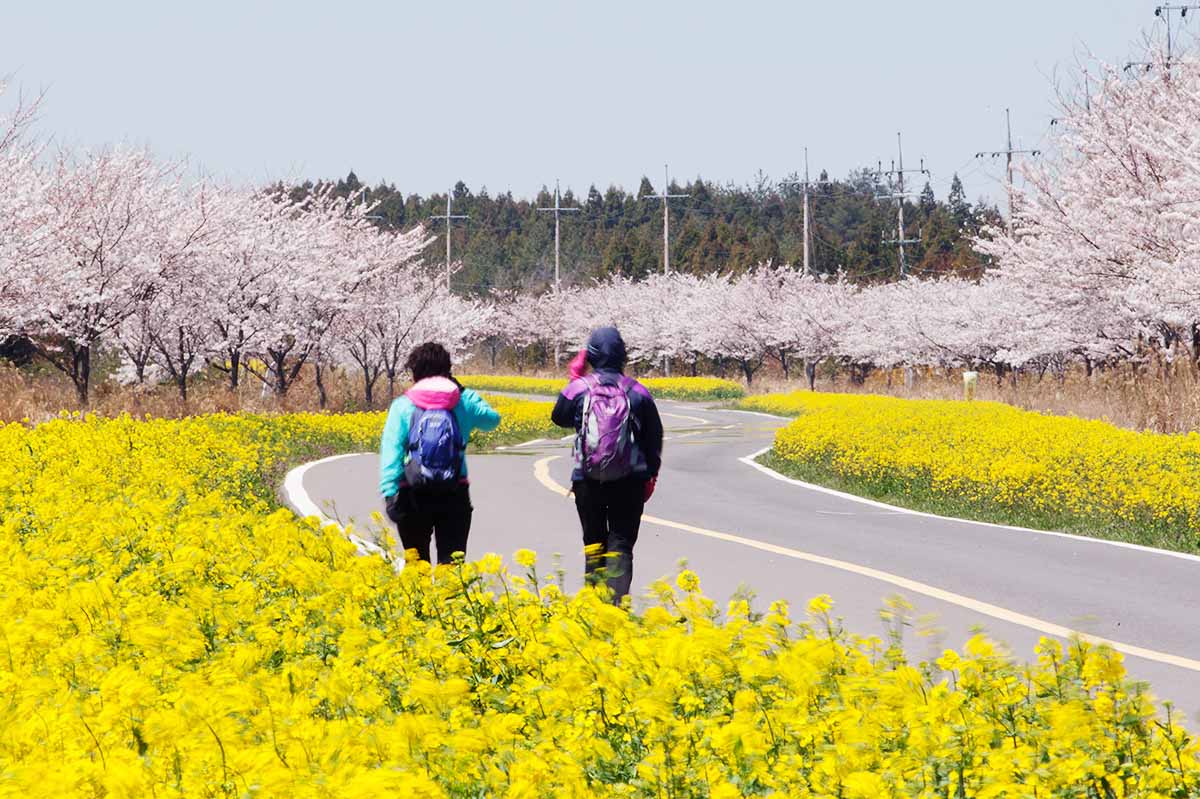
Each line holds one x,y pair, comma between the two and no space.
511,95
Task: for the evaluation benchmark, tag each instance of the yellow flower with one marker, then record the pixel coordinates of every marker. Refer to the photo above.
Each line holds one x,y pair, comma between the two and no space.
820,605
167,630
688,581
1001,462
681,388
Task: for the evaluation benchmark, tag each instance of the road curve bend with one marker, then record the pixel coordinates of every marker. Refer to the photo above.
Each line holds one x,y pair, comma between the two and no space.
742,527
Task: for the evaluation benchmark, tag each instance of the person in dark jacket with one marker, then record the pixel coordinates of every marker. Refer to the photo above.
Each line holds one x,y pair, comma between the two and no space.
610,510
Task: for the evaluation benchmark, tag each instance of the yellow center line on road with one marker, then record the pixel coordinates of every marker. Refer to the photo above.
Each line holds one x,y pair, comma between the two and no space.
541,470
695,419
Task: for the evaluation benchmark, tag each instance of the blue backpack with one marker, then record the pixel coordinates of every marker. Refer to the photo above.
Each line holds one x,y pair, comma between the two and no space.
435,450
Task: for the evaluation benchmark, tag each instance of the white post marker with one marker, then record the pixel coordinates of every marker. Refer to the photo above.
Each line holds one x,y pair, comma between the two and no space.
970,381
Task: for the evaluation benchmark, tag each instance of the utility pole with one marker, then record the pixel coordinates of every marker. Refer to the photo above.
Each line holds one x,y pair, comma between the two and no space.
898,172
558,209
449,217
1164,13
805,185
807,234
666,198
1008,152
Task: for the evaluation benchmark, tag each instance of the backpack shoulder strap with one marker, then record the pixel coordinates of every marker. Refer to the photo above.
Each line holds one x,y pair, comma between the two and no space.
459,446
414,426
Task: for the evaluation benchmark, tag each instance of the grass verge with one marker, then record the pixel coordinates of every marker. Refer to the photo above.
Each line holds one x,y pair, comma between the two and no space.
914,495
994,463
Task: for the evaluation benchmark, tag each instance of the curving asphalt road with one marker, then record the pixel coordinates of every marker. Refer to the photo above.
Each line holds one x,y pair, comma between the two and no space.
739,526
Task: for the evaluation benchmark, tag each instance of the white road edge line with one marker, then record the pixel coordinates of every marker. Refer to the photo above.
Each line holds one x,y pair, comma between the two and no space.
541,470
303,505
752,460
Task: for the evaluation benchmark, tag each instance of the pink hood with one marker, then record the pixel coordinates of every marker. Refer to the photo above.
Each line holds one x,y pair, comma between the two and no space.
434,393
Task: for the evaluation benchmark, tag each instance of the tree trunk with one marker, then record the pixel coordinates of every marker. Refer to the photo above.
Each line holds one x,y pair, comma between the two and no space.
785,364
810,371
1194,360
322,396
748,369
368,387
278,373
235,369
81,369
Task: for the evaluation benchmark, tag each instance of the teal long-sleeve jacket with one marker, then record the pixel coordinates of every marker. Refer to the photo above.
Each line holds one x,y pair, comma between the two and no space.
471,410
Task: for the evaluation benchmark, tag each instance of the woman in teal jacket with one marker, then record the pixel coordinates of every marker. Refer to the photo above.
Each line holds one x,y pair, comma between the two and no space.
420,513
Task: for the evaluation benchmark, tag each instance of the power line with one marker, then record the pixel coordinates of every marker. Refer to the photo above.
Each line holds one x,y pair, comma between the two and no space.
449,217
666,198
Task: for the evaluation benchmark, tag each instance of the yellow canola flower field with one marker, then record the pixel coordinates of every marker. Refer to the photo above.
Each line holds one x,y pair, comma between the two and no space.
1064,469
680,388
166,630
520,420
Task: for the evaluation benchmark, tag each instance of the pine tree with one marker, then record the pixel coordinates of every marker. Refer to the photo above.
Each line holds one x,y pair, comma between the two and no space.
960,209
928,202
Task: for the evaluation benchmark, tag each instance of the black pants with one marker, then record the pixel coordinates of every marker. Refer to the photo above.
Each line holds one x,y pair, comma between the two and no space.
444,518
611,514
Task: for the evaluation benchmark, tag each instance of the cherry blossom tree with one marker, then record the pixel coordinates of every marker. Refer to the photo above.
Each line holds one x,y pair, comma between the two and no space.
1104,244
112,235
814,317
24,212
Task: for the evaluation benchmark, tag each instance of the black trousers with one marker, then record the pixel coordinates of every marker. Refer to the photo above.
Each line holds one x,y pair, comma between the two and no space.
443,518
611,514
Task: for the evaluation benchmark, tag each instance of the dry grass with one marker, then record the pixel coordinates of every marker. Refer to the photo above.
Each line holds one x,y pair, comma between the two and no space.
1167,402
1164,400
37,394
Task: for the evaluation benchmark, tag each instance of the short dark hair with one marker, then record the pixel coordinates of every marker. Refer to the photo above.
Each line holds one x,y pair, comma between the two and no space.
428,360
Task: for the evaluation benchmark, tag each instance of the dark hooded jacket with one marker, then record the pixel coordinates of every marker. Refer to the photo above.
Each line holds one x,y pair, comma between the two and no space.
606,355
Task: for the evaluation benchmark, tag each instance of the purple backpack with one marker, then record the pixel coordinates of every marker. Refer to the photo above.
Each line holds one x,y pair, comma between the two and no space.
604,448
